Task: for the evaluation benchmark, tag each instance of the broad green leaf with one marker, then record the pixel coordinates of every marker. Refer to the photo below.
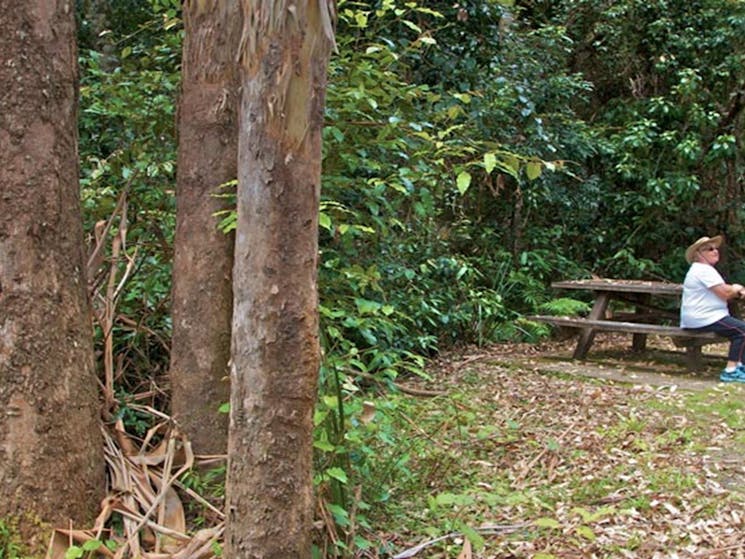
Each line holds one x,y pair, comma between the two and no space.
464,181
586,532
490,161
224,408
341,516
92,545
74,552
319,416
365,306
512,165
360,19
324,221
547,523
533,170
324,445
331,402
337,474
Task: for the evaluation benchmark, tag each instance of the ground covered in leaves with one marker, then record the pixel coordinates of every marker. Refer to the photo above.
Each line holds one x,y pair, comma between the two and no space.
510,451
525,453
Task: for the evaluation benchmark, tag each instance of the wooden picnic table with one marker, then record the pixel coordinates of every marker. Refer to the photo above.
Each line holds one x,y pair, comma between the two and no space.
650,314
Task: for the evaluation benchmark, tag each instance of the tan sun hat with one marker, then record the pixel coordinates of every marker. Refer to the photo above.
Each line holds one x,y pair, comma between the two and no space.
691,250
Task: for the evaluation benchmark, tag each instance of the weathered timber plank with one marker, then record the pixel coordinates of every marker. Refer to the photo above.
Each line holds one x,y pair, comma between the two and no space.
629,327
622,286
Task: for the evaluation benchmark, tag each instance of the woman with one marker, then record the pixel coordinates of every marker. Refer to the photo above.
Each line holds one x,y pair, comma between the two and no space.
704,306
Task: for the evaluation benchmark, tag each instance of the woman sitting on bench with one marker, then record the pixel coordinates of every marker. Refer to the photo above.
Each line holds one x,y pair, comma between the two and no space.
704,304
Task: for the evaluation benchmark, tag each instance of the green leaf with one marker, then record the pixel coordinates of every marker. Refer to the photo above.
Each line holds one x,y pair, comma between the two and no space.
360,19
547,523
464,181
365,306
74,552
331,402
224,408
512,165
324,445
411,25
319,416
586,532
476,539
92,545
337,474
341,516
533,170
490,161
324,221
447,499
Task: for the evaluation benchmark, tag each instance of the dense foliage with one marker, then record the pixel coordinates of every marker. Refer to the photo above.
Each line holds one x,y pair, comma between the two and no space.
473,153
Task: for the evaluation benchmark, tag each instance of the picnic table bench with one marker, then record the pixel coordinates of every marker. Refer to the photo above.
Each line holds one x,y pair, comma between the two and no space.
647,317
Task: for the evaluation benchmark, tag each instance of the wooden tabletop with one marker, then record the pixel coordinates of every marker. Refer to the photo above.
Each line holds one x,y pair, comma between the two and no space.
622,286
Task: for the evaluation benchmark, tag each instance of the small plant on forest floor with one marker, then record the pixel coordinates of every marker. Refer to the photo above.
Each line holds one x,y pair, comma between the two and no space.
10,546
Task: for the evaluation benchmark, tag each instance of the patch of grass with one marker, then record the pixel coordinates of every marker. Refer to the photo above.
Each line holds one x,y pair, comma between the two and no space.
724,403
11,546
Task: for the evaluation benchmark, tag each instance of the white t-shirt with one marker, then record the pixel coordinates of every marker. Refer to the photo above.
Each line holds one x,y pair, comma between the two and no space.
700,305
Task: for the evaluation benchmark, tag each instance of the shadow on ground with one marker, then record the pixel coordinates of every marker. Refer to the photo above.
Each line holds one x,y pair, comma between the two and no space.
611,358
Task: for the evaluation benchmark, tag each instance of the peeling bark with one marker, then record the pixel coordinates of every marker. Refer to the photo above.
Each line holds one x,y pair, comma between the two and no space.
276,354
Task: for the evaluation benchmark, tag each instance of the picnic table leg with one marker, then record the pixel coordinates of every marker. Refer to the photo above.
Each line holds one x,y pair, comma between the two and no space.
587,335
694,357
639,341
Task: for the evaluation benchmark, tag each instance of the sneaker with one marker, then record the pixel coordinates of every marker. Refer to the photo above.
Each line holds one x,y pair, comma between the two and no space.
738,375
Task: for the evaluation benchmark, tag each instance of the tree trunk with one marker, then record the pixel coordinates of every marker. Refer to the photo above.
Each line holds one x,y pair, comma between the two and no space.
51,452
203,258
275,348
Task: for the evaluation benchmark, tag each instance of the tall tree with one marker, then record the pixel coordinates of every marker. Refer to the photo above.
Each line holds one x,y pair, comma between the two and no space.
203,258
284,56
51,454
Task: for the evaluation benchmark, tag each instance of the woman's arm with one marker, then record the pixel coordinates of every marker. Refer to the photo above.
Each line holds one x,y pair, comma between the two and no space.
728,291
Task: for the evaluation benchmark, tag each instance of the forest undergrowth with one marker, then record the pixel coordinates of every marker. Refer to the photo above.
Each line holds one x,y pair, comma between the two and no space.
497,455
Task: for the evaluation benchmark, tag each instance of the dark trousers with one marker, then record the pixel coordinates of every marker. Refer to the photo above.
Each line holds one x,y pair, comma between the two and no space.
732,328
